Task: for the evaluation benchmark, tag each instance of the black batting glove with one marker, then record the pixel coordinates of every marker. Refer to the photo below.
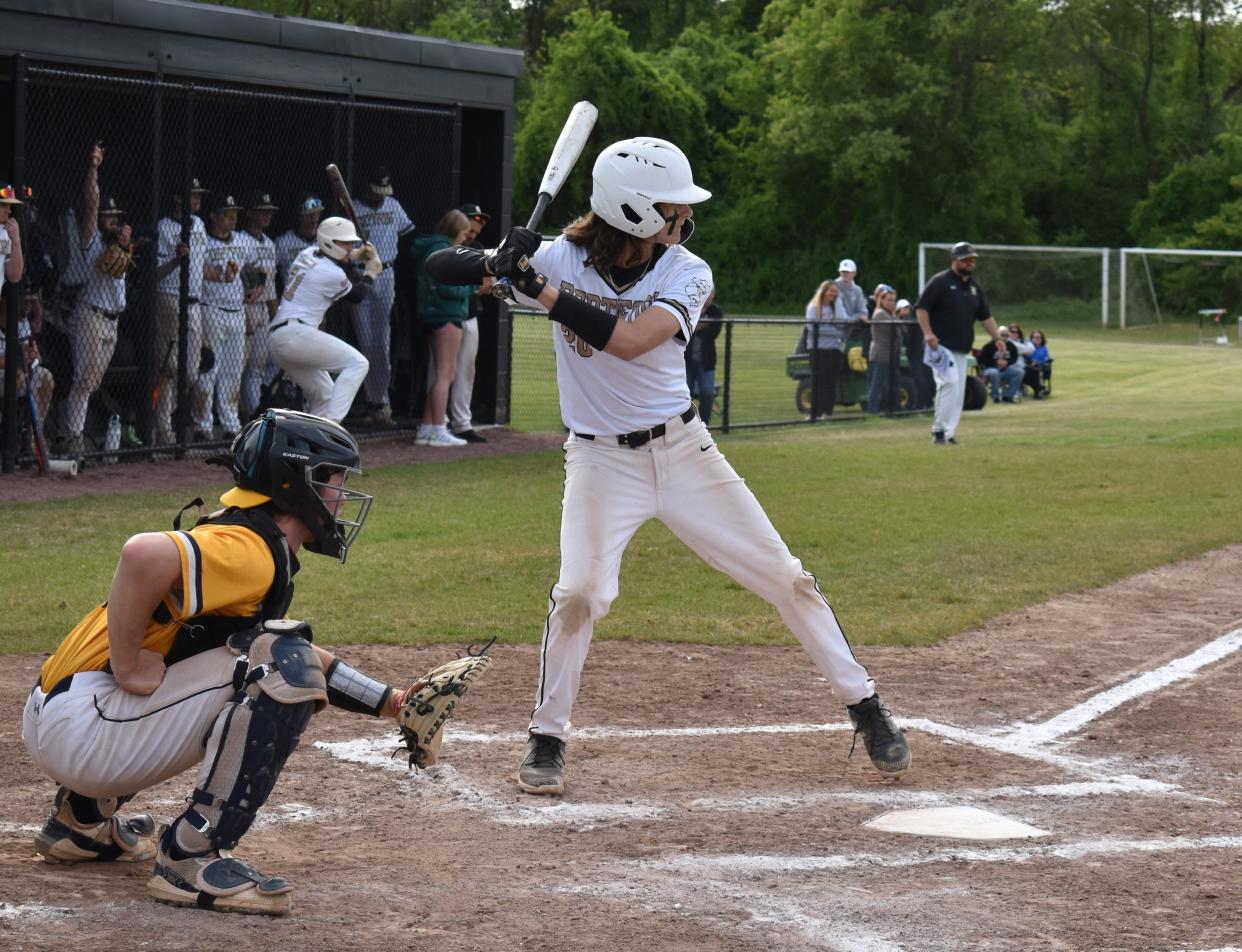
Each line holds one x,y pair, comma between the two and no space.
519,243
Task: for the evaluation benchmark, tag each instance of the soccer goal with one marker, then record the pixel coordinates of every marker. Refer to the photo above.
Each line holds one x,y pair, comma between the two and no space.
1179,285
1034,284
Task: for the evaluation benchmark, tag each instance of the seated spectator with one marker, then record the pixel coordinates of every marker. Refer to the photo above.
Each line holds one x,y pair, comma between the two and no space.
885,351
999,360
1031,376
442,308
1041,360
40,379
701,357
825,340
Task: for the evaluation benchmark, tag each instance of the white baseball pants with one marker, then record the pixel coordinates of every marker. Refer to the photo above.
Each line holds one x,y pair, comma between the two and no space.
462,392
93,340
310,357
373,330
683,480
167,332
258,319
224,331
950,394
100,741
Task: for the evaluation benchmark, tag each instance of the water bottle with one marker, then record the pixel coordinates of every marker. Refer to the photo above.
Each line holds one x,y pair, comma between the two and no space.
112,441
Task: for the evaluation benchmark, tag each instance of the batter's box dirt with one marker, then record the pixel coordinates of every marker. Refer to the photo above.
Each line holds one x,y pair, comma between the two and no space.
733,840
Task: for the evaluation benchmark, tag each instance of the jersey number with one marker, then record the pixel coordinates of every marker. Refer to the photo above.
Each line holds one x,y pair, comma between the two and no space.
293,285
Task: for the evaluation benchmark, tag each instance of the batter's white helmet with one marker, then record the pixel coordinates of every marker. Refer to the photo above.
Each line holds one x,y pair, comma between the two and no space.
332,230
630,176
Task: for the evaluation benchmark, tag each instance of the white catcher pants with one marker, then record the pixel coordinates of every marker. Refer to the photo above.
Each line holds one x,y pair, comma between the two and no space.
310,357
950,394
100,741
683,480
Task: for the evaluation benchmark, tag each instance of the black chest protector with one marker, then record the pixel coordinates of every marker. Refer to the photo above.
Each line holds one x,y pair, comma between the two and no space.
204,632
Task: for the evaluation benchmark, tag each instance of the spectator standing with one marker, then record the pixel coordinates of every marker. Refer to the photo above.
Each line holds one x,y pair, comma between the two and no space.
12,264
885,352
701,357
224,319
383,221
825,334
947,310
298,238
92,326
999,360
461,393
259,282
319,277
169,253
852,303
920,373
441,308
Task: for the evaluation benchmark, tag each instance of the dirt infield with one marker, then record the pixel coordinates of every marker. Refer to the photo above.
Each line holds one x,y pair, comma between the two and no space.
711,803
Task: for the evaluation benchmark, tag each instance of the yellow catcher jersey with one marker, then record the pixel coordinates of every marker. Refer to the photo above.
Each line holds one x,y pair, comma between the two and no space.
225,570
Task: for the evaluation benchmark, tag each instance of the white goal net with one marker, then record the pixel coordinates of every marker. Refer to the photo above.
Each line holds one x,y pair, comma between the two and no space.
1179,285
1034,284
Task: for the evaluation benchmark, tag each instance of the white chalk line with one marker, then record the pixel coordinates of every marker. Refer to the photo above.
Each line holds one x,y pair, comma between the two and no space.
1082,714
32,910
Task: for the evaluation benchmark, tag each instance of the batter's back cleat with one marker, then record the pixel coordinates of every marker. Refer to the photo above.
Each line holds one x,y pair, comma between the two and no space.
543,770
95,839
886,744
217,880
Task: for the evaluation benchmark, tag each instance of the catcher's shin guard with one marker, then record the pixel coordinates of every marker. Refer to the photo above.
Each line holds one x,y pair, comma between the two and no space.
85,829
283,685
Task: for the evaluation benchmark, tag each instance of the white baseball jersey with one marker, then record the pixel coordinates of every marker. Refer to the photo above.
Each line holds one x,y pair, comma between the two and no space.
603,394
220,251
23,328
167,238
6,248
315,282
289,246
102,290
262,252
382,225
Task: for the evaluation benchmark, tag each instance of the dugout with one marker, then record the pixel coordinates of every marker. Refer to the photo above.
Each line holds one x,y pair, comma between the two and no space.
246,101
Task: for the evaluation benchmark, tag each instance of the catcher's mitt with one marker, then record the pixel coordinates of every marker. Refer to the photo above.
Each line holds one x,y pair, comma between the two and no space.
425,710
252,276
114,261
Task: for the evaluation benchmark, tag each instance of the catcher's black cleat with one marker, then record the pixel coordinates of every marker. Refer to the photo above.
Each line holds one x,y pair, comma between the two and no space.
886,744
543,770
68,838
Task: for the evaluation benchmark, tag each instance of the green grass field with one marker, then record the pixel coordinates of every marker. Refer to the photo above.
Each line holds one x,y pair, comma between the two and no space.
1134,463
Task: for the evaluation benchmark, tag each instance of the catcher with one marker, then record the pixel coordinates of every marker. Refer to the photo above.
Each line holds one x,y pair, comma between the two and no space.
193,644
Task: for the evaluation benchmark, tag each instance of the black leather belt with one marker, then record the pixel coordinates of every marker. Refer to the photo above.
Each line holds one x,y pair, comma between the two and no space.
110,315
643,437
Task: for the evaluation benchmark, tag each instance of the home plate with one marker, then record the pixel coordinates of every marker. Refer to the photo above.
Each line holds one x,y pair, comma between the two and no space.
963,823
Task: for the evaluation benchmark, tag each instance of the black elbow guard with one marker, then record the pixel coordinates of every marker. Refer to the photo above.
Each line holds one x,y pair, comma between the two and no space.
457,265
593,325
351,690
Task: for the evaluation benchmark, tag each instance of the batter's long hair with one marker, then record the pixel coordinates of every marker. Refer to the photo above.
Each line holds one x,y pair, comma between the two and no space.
604,244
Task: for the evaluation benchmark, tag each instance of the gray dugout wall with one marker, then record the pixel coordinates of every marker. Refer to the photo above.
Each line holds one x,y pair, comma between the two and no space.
244,100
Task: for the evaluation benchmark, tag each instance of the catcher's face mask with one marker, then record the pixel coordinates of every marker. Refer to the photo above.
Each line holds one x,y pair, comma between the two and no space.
345,510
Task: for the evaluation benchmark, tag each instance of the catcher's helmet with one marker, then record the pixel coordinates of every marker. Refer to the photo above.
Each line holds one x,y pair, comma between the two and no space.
630,176
290,459
964,249
332,230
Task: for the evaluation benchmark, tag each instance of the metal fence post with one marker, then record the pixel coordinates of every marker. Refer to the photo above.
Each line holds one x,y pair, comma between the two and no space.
728,381
11,345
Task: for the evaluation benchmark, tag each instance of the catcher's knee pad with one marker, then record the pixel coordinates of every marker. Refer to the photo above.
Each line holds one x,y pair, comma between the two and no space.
280,685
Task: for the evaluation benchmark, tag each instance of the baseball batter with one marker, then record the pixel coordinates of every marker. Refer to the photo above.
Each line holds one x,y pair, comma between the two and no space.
189,661
318,277
382,219
625,295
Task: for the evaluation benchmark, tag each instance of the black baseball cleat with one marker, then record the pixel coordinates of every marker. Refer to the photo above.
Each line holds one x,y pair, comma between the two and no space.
886,744
470,436
938,438
952,441
543,770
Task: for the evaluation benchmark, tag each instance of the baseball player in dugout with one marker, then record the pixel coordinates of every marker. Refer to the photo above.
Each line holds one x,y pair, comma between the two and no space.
382,219
12,263
259,283
191,660
946,311
107,246
170,252
298,238
625,294
327,369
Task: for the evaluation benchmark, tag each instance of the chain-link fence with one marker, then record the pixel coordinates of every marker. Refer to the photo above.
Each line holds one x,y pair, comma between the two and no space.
170,350
766,371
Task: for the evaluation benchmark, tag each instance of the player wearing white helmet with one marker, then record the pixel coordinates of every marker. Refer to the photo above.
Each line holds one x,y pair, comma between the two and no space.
625,295
318,277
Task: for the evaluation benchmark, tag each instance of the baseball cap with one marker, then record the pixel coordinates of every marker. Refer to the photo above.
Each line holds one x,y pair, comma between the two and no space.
847,264
902,303
108,206
964,249
8,195
261,201
310,204
223,202
380,181
199,187
471,210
